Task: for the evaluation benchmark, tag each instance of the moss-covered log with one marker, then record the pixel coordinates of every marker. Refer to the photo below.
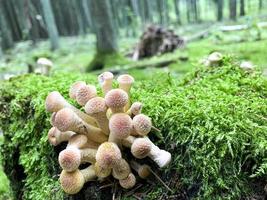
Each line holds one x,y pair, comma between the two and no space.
213,122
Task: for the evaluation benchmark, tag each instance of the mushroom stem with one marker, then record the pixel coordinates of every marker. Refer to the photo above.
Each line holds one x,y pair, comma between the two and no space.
143,171
67,120
55,102
125,83
55,136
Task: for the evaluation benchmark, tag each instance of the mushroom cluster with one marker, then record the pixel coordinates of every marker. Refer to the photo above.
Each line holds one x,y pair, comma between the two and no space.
99,136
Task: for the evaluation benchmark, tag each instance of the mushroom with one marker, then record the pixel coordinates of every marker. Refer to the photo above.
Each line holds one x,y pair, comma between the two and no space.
143,171
214,58
128,182
125,83
142,124
71,158
85,93
55,102
108,153
74,88
44,66
67,120
72,182
121,169
55,136
135,109
116,99
105,80
120,126
141,146
96,108
247,65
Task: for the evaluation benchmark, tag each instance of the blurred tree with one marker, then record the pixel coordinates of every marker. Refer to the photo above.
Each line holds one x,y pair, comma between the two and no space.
50,24
232,9
106,43
219,10
5,31
177,10
260,4
242,7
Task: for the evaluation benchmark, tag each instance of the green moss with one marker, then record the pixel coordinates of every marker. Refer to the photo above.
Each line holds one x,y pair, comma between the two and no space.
213,122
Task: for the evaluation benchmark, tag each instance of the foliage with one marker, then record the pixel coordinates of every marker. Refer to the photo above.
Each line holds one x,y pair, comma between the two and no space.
213,122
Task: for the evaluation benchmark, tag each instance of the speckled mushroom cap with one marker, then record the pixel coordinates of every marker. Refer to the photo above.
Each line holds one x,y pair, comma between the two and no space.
54,101
71,182
136,108
129,182
75,87
120,124
69,159
144,171
85,93
107,154
65,119
95,106
102,172
140,148
142,124
215,57
116,98
125,80
52,136
121,169
104,77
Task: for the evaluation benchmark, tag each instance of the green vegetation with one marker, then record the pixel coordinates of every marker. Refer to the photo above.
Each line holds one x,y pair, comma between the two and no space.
213,121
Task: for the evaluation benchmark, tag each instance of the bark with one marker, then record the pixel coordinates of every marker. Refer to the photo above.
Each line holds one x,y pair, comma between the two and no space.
219,10
177,10
260,4
50,23
232,9
242,8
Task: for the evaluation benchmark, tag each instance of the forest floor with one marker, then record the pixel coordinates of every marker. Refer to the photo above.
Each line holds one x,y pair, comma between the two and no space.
77,52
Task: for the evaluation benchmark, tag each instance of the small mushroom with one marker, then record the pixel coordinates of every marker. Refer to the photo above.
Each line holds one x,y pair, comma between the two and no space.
125,83
142,124
72,182
75,87
135,109
102,171
128,182
121,169
85,93
144,171
116,99
105,80
55,136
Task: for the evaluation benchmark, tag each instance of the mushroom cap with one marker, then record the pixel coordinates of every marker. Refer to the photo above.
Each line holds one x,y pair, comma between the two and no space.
129,182
215,57
69,159
54,101
85,93
140,148
44,61
102,172
74,88
104,77
52,119
120,124
136,108
95,106
116,98
125,79
246,65
142,124
108,153
65,119
71,182
53,134
144,171
121,169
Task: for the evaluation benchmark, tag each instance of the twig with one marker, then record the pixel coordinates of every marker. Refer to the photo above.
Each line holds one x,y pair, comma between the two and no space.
156,129
137,197
105,186
164,184
133,190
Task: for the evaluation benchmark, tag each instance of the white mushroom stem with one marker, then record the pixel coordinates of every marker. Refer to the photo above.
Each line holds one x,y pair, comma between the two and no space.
67,120
55,102
56,137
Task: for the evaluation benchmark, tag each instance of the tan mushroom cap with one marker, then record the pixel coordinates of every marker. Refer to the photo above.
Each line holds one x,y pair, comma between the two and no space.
75,87
120,124
85,93
95,105
129,182
69,159
116,98
140,148
102,172
54,101
142,124
107,154
71,182
65,119
104,77
121,169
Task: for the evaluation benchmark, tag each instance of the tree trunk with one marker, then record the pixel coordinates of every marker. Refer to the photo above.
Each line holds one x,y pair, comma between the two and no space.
220,10
5,33
242,8
260,4
232,8
177,10
50,24
106,43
